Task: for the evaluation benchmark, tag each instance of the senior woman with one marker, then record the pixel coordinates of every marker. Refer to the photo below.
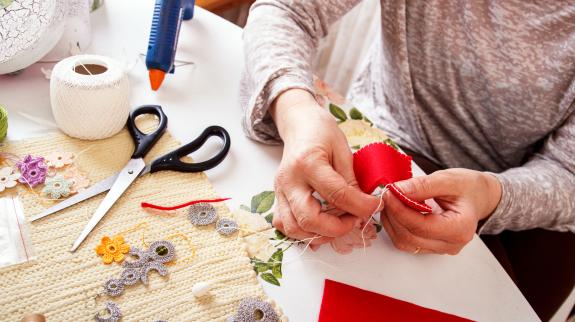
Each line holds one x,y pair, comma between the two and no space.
483,89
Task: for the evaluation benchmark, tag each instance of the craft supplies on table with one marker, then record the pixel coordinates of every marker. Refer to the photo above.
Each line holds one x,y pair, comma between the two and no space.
90,96
66,286
136,167
15,244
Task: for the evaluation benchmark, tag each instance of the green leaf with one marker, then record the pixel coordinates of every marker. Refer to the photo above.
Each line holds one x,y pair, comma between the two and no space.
263,202
277,257
355,147
280,235
277,270
367,120
246,208
391,143
355,114
337,112
377,228
269,217
268,277
261,267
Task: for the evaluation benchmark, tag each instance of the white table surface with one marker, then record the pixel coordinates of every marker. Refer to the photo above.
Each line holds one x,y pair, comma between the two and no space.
471,284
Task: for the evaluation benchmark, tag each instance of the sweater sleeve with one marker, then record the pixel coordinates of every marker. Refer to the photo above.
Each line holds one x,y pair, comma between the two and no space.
541,193
280,41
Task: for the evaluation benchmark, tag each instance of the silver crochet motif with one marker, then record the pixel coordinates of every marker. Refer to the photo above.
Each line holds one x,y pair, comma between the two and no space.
202,214
130,276
114,313
114,287
252,309
226,226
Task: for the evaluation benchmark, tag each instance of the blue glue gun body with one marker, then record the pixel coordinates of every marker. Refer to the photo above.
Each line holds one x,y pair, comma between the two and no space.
168,16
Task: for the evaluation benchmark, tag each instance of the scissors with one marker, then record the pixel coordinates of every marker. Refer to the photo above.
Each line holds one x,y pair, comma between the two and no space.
136,167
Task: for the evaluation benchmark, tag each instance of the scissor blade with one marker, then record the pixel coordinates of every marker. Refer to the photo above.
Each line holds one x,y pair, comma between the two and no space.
95,189
125,178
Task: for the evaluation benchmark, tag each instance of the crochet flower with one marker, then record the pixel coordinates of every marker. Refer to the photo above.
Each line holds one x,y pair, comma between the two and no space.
8,178
33,170
78,179
112,250
57,187
59,159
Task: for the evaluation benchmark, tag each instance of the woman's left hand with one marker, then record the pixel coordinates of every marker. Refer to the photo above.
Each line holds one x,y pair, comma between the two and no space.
465,197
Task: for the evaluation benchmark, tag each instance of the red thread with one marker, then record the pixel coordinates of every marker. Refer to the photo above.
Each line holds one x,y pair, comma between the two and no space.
149,205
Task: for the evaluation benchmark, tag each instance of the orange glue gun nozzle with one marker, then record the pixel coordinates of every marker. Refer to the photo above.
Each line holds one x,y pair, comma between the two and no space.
156,78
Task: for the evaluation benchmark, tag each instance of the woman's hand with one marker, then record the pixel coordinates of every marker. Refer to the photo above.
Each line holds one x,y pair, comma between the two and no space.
316,157
465,196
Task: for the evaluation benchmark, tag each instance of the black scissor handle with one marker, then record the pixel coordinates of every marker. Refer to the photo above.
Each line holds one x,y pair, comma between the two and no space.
172,160
144,142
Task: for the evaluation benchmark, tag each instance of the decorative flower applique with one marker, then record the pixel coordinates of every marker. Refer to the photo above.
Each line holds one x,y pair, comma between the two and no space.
33,170
59,159
57,187
8,178
112,250
78,179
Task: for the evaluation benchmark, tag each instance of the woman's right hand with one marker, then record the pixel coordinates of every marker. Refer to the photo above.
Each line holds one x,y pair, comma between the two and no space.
316,157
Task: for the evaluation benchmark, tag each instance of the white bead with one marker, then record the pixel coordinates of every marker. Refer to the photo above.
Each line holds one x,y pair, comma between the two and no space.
201,288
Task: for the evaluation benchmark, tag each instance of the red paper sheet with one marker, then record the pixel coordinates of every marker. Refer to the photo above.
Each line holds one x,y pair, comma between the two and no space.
378,164
344,303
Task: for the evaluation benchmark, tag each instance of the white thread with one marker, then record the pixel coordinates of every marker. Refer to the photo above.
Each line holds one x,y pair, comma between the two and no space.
373,214
93,106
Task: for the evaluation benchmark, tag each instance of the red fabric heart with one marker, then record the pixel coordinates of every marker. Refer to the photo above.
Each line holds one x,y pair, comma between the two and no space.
378,164
344,303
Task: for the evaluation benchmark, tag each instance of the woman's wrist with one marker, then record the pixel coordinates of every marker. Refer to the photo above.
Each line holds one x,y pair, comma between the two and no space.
494,191
288,103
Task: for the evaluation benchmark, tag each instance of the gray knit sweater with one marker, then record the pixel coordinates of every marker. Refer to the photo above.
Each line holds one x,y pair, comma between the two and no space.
486,85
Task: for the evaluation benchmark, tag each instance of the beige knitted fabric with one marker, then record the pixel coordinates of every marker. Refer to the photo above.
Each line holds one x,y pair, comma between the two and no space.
64,285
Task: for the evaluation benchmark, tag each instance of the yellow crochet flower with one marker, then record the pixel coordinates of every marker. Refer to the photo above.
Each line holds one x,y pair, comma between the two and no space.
112,249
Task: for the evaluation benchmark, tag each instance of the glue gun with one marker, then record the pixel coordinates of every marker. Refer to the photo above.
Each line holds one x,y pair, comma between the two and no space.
168,16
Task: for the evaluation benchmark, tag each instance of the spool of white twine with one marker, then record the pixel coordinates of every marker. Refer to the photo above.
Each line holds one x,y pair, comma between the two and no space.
90,96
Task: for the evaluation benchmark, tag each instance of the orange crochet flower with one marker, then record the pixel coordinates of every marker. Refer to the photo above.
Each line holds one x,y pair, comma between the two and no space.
112,249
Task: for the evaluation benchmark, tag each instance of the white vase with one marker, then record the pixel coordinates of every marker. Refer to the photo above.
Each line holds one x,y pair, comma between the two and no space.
31,33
